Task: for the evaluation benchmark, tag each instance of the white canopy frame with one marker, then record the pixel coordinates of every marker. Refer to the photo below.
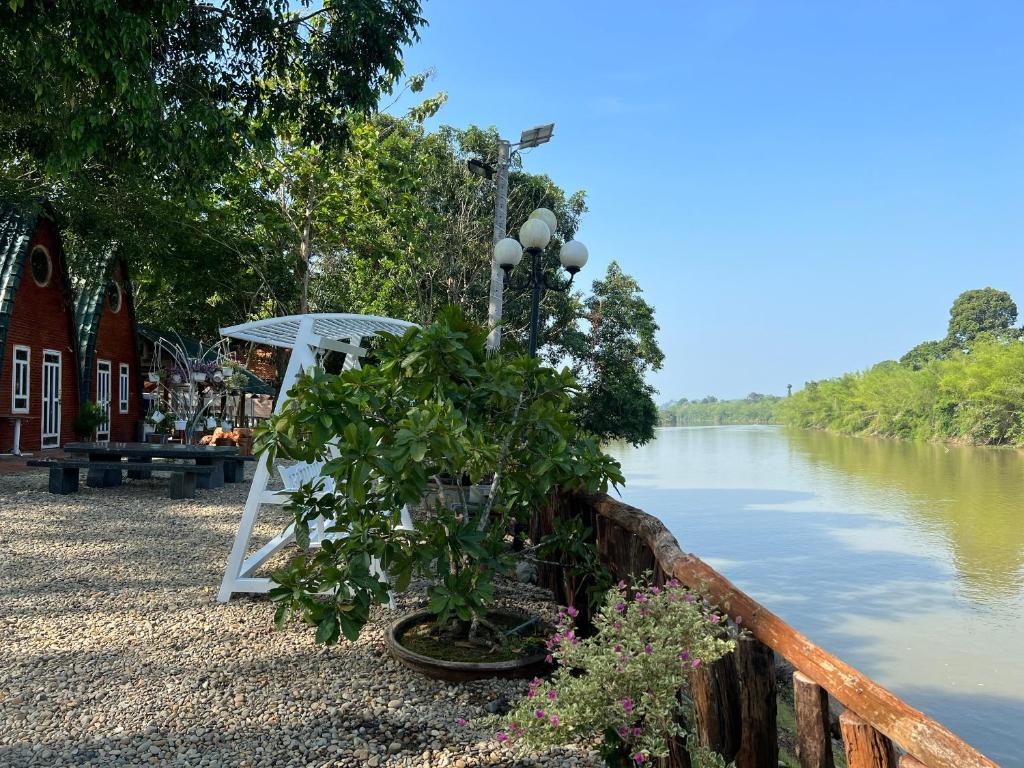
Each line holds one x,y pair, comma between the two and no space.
308,336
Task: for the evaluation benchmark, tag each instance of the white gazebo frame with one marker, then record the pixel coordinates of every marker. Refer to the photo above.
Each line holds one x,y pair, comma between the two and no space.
307,336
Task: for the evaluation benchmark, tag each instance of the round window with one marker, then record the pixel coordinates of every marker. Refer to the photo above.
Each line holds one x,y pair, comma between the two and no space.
114,297
41,266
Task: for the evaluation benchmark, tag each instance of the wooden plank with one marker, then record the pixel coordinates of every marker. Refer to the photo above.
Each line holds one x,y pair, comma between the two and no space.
759,739
910,762
715,690
813,740
865,746
931,743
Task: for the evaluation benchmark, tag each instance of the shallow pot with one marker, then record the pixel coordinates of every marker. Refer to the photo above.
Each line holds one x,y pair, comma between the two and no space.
460,671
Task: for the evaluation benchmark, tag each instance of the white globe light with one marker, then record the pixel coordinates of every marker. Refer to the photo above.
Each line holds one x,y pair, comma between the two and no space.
534,233
508,252
573,256
547,217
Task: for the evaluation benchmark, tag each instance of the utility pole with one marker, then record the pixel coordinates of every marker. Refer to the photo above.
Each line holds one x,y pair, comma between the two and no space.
497,273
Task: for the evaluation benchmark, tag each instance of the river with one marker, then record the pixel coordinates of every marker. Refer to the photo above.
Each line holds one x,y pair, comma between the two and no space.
904,559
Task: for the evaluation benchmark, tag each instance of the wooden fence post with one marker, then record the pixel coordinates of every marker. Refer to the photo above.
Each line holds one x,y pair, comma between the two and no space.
759,742
813,740
715,689
865,746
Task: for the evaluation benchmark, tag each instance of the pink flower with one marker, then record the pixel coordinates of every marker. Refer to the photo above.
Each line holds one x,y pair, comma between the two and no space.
623,732
554,721
627,705
714,618
618,625
695,663
689,598
549,659
501,736
655,591
461,721
739,620
673,583
531,693
617,648
620,607
621,585
514,727
636,731
539,714
571,610
639,758
684,655
552,694
648,648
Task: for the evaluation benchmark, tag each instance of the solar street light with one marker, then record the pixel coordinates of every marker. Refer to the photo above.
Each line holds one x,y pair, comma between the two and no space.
534,137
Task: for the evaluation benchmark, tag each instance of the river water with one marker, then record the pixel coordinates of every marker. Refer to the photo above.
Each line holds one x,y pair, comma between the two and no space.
904,559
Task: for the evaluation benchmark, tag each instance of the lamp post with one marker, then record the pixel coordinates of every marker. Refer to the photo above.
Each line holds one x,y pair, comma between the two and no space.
534,236
532,137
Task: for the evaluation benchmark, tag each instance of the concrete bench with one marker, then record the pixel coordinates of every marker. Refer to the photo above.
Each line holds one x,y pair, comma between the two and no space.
64,474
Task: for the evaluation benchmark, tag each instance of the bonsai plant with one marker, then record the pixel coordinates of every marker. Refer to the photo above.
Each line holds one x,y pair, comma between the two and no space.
622,684
434,404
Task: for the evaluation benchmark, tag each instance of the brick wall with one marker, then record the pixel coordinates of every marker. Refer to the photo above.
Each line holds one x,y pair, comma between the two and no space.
41,318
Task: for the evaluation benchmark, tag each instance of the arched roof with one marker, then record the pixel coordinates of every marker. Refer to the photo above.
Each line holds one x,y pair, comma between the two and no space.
284,331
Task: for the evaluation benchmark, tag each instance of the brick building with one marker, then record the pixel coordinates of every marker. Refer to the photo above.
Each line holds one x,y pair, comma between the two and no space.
39,372
107,349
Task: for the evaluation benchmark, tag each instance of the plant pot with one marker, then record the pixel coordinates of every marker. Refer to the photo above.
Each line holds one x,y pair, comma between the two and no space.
180,425
200,377
245,445
175,378
153,377
531,665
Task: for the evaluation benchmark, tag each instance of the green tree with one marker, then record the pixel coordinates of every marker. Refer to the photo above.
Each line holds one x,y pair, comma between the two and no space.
611,358
983,310
925,352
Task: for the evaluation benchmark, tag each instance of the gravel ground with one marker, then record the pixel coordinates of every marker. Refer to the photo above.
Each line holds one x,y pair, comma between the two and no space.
114,651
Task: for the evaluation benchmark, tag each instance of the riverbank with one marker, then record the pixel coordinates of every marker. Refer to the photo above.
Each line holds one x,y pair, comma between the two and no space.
113,651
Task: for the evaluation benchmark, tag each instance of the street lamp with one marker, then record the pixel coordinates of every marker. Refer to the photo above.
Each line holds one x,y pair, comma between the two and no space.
534,236
531,137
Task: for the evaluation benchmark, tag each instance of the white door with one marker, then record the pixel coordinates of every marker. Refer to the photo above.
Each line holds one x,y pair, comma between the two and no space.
103,397
51,399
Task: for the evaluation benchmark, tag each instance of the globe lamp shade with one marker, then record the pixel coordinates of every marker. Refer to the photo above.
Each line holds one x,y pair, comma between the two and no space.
534,234
573,256
547,217
508,253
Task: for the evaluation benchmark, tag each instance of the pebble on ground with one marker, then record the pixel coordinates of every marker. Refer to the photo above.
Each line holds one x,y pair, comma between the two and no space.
114,651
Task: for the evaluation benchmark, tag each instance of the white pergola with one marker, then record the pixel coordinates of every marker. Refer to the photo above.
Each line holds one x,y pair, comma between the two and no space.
307,336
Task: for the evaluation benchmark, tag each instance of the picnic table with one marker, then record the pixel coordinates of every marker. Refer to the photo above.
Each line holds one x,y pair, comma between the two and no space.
225,461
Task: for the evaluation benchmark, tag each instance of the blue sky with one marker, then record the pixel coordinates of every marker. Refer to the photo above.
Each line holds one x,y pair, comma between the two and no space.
801,188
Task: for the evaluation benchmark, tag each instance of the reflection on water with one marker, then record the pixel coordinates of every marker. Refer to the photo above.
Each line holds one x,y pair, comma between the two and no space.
905,559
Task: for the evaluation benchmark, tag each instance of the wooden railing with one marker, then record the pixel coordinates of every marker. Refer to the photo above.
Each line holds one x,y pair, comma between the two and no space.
735,699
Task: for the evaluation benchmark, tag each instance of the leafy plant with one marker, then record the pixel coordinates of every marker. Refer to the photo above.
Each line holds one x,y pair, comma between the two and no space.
434,404
623,684
584,579
89,417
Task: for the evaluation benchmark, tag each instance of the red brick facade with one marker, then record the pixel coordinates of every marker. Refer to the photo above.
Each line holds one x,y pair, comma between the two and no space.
42,318
115,343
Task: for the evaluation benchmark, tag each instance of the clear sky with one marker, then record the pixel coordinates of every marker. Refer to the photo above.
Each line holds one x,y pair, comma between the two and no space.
801,188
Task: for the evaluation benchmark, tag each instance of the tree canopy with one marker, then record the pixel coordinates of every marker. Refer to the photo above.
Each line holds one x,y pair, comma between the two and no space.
984,310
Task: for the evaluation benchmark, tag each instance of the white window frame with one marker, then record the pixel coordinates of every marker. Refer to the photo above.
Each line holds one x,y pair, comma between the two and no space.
122,388
26,367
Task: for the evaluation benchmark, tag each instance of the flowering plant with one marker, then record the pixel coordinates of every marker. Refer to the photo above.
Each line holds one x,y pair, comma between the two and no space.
622,684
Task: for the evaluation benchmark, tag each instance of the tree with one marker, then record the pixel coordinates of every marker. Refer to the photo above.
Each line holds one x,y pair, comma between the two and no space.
181,86
984,310
925,352
611,357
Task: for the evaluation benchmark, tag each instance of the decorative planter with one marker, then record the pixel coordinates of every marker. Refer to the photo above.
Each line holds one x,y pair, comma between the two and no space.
199,377
153,377
180,425
175,378
460,671
211,423
218,377
227,426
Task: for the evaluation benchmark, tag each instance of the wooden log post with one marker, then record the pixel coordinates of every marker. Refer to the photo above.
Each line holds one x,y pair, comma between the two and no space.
865,746
715,689
813,740
759,742
911,762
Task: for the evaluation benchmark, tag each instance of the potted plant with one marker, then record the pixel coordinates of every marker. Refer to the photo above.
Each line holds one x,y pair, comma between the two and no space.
622,684
89,417
153,376
177,375
434,404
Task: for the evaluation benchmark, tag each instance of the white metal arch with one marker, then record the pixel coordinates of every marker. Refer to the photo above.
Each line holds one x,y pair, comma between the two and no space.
307,336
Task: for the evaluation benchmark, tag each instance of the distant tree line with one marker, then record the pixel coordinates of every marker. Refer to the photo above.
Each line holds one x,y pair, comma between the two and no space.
755,408
967,387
